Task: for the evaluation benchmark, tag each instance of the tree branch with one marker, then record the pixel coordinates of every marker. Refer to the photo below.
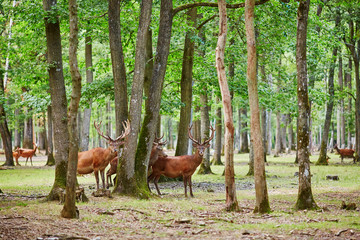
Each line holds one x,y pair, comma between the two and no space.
204,4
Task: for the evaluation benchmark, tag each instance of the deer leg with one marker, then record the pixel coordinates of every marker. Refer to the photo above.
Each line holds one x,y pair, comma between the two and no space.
185,185
108,176
26,160
156,184
97,179
190,186
17,162
31,160
102,174
150,178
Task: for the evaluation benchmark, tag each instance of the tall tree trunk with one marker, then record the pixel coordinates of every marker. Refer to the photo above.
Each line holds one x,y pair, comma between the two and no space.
58,99
341,116
239,129
84,144
218,136
28,132
69,210
264,119
205,132
50,159
126,180
4,129
329,108
17,130
269,141
283,132
349,107
118,65
231,201
244,135
186,86
278,135
170,144
152,110
305,198
262,200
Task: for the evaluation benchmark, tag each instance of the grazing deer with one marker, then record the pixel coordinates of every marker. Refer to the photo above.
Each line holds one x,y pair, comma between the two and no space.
156,151
97,159
25,153
345,153
176,166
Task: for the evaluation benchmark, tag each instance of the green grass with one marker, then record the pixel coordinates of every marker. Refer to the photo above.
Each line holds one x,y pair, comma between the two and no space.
164,212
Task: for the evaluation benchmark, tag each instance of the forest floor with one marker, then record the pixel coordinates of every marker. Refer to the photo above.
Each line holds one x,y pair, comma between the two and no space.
24,213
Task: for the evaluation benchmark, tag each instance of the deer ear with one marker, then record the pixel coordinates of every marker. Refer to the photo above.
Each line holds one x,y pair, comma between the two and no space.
194,145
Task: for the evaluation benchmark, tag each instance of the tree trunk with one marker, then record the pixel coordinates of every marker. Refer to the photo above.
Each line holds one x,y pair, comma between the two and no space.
126,180
118,65
50,159
269,141
349,107
244,135
58,99
205,131
218,135
231,201
152,110
4,129
251,160
283,132
278,135
17,130
84,144
186,86
329,108
305,198
262,200
70,210
28,133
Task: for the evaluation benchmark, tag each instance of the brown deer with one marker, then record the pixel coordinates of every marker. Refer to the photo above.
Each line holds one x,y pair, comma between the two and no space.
156,151
345,153
97,159
25,153
176,166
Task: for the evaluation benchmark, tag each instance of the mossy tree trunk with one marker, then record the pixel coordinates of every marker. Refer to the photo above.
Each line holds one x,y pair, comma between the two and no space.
305,198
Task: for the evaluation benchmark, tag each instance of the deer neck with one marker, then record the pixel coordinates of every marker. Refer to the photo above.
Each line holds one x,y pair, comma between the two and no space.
197,157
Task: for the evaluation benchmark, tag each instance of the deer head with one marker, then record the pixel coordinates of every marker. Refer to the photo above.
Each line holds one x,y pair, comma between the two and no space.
115,143
201,147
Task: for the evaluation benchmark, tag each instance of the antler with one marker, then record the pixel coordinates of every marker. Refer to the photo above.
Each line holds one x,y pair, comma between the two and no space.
157,140
191,137
126,126
212,135
97,126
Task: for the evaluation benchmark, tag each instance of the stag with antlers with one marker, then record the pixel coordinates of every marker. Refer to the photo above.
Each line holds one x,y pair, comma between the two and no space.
97,159
176,166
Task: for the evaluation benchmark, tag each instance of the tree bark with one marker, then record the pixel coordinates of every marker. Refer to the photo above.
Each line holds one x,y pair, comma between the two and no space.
118,65
58,99
28,132
218,136
17,130
186,86
126,180
305,198
349,105
152,110
231,201
262,200
70,210
50,159
4,129
84,144
244,135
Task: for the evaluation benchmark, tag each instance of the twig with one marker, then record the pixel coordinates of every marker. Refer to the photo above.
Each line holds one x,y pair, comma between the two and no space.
130,209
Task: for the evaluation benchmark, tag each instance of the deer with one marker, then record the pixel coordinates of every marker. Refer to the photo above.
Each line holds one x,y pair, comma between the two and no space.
345,153
25,153
176,166
97,159
16,155
156,151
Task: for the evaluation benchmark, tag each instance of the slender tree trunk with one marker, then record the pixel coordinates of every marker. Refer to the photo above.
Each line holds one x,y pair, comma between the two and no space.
17,130
329,109
186,86
283,132
305,198
70,210
4,129
218,136
58,99
84,144
239,129
278,135
244,135
349,105
231,201
118,65
50,159
269,141
152,110
28,133
262,200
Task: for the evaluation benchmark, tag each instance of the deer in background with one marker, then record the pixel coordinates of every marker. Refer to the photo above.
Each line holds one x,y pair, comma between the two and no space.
176,166
97,159
25,153
156,151
345,153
